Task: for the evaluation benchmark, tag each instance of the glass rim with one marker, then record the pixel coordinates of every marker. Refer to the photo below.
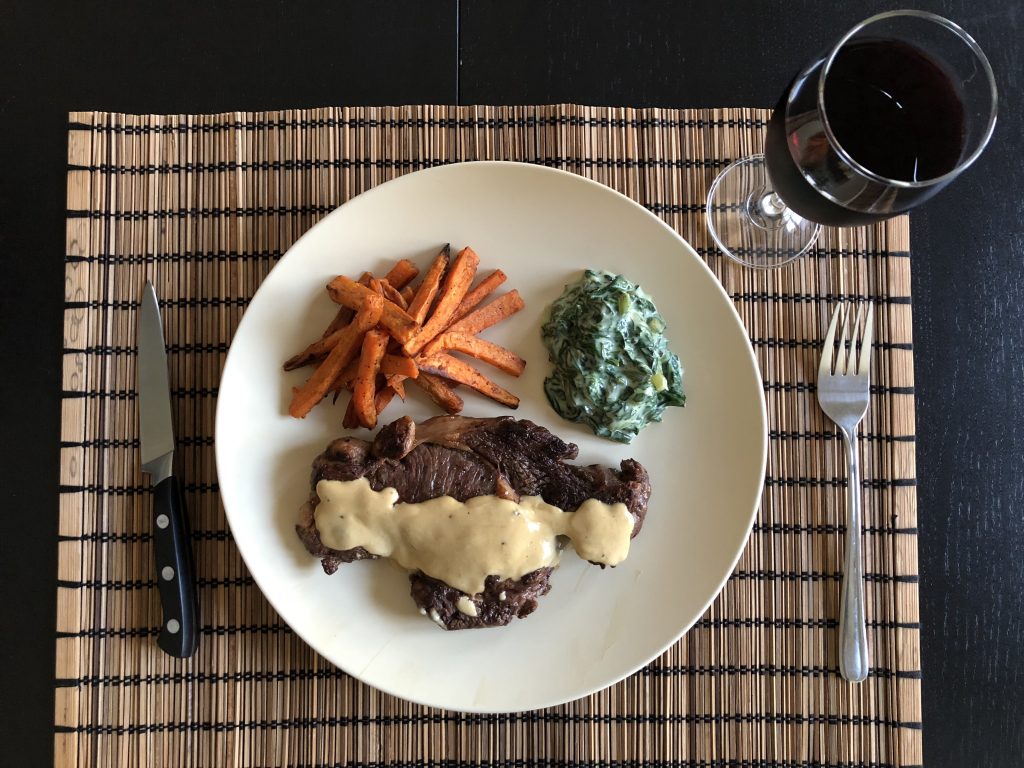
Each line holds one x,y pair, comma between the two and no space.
975,49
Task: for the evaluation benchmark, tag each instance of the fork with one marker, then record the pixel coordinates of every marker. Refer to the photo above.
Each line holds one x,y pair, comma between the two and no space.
843,393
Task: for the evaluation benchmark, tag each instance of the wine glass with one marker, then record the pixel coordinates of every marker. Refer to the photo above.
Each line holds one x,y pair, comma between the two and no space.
893,112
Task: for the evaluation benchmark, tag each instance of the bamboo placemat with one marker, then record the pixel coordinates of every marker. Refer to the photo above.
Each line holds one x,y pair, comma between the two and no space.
204,206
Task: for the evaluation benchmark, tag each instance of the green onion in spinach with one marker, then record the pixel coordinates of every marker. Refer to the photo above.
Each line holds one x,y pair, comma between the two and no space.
613,369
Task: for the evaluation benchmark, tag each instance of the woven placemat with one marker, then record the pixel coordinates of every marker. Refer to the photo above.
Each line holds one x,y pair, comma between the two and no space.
204,206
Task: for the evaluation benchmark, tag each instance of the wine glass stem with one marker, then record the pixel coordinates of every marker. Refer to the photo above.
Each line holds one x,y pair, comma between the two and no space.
772,206
766,209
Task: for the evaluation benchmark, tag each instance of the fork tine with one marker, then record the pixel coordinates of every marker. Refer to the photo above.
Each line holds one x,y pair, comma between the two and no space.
825,366
851,361
844,357
869,332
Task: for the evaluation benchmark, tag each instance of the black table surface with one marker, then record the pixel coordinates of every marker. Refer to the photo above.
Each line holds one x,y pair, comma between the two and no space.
968,248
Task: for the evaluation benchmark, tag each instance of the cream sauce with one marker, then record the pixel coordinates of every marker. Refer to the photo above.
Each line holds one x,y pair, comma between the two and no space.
461,543
466,605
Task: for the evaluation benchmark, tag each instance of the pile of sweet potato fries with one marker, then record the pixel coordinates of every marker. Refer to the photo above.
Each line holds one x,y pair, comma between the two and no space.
388,332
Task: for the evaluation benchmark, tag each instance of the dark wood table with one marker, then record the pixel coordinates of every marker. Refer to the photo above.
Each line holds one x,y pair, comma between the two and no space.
968,262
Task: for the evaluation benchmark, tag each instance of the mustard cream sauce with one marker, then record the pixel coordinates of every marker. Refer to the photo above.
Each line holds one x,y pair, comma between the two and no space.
461,543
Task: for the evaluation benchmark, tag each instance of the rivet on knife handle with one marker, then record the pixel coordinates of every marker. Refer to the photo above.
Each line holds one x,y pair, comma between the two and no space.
179,631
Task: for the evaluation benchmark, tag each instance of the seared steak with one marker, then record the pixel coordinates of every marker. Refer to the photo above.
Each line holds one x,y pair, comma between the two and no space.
464,458
501,601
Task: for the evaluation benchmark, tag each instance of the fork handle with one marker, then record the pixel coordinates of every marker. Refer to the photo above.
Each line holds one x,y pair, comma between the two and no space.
853,637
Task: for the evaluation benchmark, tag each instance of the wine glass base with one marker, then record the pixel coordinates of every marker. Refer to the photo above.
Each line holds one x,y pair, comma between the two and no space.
750,224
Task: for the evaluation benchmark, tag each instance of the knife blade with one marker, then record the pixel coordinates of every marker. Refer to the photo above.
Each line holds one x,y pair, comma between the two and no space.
172,541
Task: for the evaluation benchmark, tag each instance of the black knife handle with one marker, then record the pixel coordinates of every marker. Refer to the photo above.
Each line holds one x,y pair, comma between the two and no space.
172,541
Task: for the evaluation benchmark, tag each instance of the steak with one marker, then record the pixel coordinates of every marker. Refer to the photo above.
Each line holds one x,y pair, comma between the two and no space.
463,458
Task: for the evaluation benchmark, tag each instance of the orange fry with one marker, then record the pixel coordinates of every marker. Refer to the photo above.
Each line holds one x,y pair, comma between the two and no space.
384,396
397,368
344,316
485,317
349,420
420,304
364,386
392,294
393,366
493,354
478,294
399,365
344,379
456,285
397,384
439,391
452,368
402,274
344,351
408,294
316,351
349,293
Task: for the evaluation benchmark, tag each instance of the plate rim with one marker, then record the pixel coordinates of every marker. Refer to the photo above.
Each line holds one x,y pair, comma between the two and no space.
751,358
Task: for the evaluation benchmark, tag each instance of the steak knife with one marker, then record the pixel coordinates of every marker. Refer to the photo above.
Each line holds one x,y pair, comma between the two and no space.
172,542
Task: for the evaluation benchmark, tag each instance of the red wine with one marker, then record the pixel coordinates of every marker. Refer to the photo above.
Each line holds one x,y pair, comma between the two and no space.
891,108
894,110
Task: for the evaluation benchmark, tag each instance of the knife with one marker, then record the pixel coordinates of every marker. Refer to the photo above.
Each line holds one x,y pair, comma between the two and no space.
172,542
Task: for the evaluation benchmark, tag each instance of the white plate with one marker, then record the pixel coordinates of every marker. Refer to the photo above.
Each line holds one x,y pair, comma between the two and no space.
706,460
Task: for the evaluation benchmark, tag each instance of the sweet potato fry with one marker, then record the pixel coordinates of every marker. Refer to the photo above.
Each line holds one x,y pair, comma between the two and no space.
402,274
478,294
397,368
427,290
393,366
349,293
452,368
408,294
316,351
384,396
344,351
490,353
485,317
456,285
392,294
399,365
344,379
439,391
364,387
349,420
397,384
344,316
